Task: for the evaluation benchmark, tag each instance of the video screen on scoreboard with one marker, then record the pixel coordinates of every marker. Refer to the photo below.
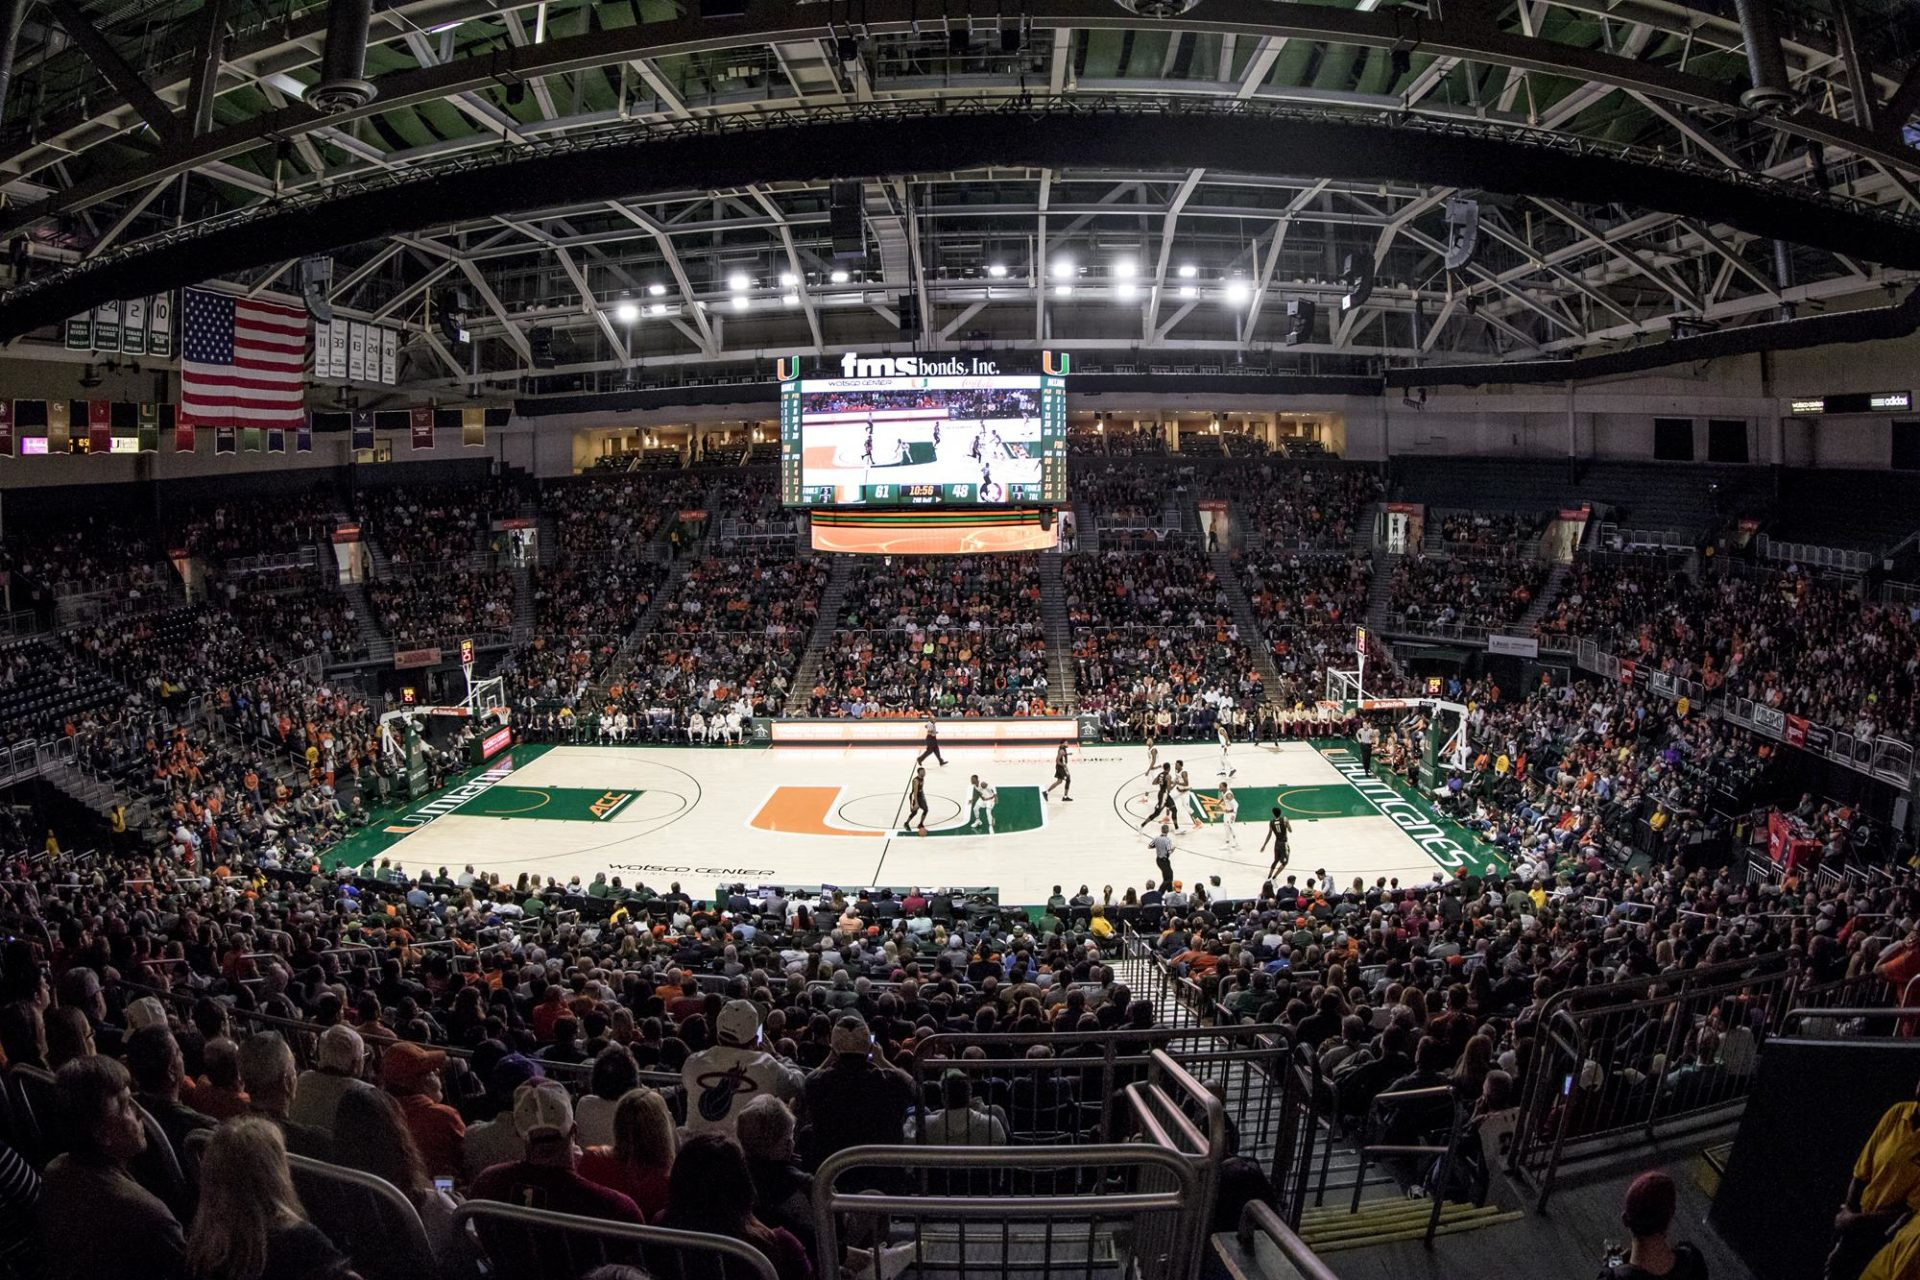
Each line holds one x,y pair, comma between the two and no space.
996,440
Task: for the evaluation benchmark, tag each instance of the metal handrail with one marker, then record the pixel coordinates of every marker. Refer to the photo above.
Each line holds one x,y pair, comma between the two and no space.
1259,1218
1445,1153
481,1212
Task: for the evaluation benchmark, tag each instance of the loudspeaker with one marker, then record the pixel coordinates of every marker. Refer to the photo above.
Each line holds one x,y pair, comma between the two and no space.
451,315
316,287
1300,313
846,220
1463,233
540,344
1357,274
909,314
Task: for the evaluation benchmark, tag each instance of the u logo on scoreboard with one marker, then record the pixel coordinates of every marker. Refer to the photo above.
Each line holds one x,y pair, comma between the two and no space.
1057,363
787,367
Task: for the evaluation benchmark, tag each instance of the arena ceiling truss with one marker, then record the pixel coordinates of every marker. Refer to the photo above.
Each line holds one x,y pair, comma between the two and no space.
592,192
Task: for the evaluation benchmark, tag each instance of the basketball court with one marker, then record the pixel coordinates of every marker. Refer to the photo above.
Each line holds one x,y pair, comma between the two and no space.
805,816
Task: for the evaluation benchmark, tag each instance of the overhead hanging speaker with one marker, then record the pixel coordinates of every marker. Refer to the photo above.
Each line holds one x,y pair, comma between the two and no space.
316,287
844,219
1300,313
1463,233
343,67
1357,274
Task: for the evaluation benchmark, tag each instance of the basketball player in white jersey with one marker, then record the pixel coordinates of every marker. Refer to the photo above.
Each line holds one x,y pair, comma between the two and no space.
1229,811
1185,798
1153,752
980,804
1225,732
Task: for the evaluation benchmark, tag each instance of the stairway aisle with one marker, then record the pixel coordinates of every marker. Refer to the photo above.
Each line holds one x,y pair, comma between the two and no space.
825,626
1062,694
1380,590
379,648
522,604
1556,583
1251,633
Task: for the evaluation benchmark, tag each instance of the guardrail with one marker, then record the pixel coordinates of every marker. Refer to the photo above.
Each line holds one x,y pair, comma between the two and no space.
1889,759
1399,624
1620,537
1628,1057
1259,1222
537,1243
1814,556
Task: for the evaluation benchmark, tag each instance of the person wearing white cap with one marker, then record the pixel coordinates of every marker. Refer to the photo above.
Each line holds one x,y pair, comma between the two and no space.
722,1080
339,1060
546,1177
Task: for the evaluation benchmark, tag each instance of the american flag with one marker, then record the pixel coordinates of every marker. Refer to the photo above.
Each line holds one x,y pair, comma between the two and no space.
242,362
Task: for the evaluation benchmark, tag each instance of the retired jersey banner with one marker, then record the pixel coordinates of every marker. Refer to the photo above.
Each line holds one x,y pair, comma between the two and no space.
149,428
160,325
473,427
422,419
58,425
100,426
223,441
133,327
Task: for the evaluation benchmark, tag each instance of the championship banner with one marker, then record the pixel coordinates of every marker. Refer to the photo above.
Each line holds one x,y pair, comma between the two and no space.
303,437
183,441
149,428
6,428
99,426
473,427
250,439
223,441
58,425
363,429
276,440
422,420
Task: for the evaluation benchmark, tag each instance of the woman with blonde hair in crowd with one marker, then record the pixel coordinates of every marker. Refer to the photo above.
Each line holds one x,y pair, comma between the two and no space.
641,1158
250,1225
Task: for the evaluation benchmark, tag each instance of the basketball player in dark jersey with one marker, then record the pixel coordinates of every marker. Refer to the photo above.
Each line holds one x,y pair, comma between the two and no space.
1164,802
1061,778
917,800
1277,830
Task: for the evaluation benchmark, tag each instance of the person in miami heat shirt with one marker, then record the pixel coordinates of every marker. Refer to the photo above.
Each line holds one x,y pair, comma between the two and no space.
722,1080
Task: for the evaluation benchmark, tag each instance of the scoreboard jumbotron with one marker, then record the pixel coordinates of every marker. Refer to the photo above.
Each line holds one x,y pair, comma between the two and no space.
920,431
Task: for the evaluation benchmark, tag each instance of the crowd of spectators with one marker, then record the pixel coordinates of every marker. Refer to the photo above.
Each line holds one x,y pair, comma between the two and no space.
423,610
1308,607
1156,647
1489,534
221,532
89,553
313,619
619,514
1127,497
1611,600
940,634
425,524
1300,506
1461,592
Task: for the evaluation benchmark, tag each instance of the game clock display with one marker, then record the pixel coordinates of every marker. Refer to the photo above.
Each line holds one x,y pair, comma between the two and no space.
944,441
